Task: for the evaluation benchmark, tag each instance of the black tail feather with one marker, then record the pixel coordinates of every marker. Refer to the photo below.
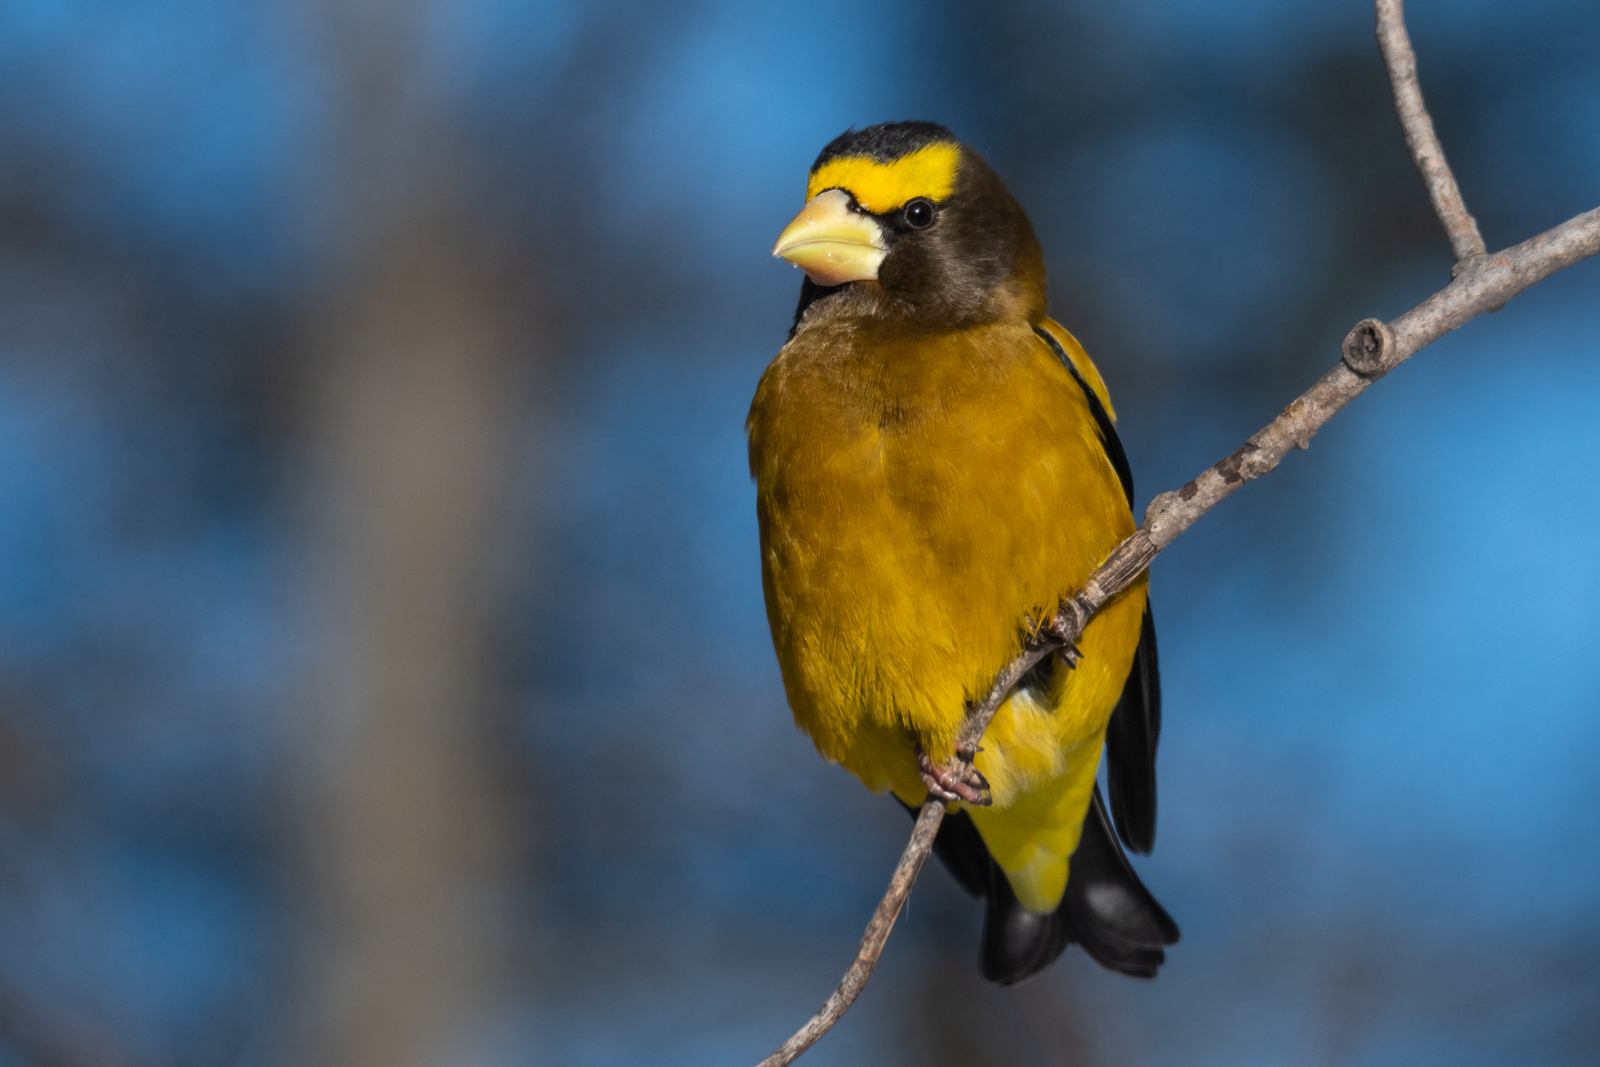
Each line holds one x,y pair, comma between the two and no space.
1018,942
1106,908
1119,923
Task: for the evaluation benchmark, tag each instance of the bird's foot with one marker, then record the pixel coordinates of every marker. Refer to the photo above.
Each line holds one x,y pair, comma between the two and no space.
1053,635
969,785
1061,629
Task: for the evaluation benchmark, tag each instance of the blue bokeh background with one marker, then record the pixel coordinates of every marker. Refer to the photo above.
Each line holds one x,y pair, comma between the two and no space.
1380,812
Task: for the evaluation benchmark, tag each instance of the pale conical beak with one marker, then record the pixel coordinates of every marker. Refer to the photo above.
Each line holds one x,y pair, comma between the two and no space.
831,243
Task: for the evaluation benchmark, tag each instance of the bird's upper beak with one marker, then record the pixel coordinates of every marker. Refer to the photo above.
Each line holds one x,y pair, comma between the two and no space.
831,243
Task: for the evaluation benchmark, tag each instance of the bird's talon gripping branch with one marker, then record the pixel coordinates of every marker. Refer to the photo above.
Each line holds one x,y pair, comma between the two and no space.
1067,624
1064,630
947,785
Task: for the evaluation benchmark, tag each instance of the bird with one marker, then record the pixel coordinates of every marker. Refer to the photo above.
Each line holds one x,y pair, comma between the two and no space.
936,467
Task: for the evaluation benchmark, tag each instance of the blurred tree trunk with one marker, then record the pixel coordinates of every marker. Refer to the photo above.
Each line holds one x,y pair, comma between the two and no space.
403,822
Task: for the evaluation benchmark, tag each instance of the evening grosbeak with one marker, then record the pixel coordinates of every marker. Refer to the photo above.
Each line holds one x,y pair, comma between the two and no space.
936,468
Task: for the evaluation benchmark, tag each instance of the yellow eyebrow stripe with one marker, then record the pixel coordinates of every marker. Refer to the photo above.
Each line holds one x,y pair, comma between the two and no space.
880,187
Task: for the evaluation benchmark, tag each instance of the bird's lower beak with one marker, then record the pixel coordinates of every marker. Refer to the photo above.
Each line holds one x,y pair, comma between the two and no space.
831,243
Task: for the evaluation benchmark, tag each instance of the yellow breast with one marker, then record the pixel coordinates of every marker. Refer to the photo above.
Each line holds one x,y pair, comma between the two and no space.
924,499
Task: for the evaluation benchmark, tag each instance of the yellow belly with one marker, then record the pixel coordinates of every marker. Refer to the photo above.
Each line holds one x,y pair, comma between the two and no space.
923,502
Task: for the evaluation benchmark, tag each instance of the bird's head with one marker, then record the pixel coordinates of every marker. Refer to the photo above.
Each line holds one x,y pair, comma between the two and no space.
911,222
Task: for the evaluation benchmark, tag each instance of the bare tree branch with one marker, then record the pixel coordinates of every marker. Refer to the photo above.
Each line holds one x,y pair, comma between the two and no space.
1395,44
1371,350
872,942
1481,283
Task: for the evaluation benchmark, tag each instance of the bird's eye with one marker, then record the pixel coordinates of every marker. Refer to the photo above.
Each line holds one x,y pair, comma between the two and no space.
919,213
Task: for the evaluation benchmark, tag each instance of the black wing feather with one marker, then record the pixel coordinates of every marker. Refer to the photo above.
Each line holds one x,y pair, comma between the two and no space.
1131,740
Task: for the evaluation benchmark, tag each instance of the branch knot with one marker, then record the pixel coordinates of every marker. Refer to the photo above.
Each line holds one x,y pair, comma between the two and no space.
1367,348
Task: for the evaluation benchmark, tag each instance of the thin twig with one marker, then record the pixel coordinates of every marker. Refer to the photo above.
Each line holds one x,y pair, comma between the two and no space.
1395,44
1481,283
1371,350
872,942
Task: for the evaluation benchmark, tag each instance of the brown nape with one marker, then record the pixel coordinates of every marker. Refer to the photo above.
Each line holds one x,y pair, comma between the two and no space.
979,261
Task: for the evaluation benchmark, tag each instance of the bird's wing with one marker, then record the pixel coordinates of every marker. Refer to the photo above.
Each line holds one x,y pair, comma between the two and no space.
1131,739
1135,726
1094,390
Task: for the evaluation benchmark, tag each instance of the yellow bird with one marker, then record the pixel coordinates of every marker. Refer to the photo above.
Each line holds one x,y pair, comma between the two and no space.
936,468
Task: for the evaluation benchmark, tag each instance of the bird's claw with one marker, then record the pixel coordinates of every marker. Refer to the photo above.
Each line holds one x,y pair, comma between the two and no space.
970,785
1070,654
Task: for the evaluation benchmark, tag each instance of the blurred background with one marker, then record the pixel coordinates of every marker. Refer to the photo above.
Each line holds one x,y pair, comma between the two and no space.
384,678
